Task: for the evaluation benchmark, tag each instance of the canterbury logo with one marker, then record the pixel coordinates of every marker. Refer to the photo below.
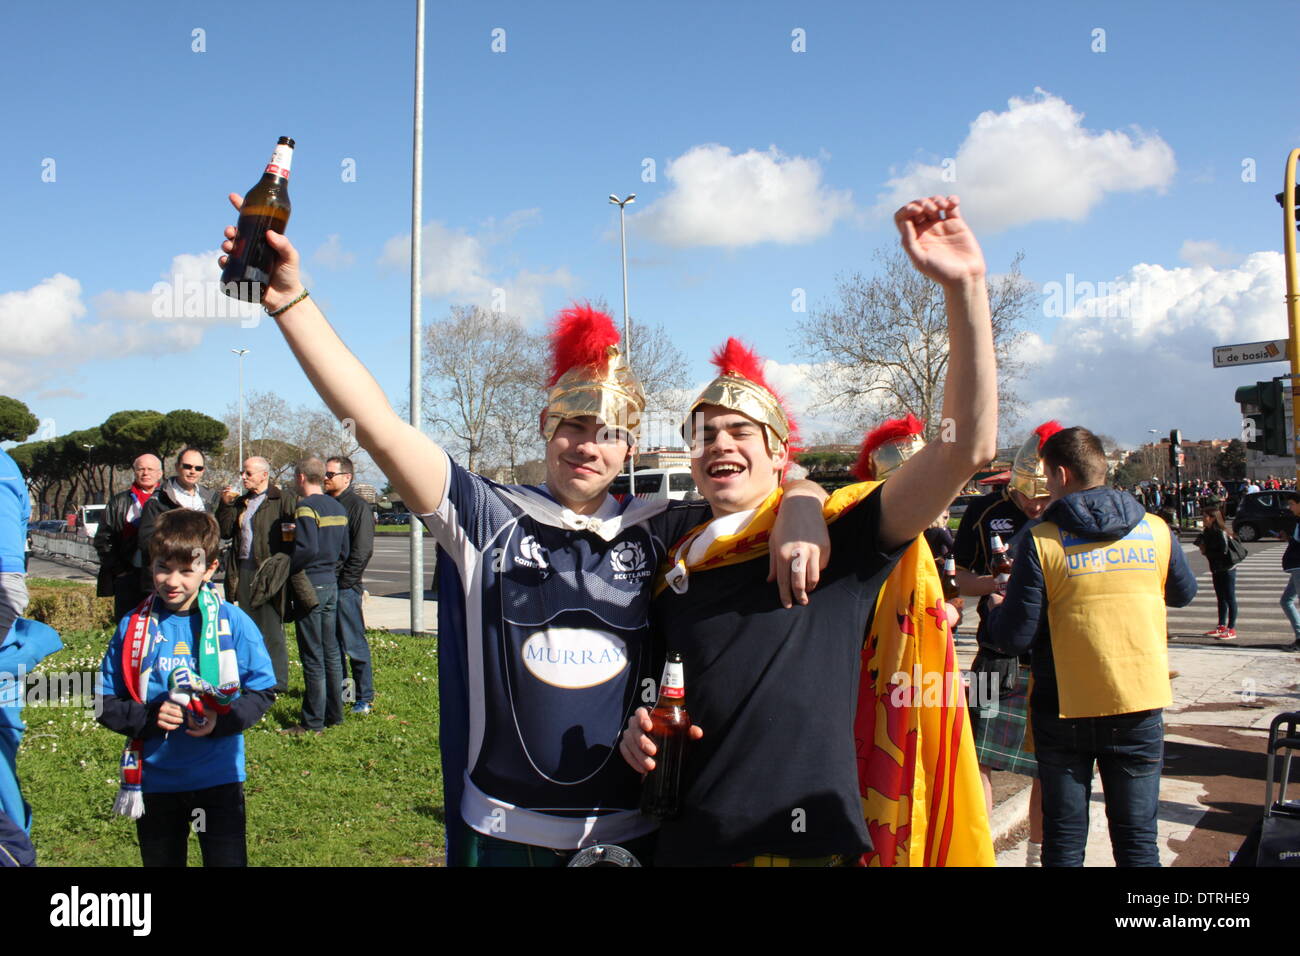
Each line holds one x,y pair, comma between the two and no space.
531,553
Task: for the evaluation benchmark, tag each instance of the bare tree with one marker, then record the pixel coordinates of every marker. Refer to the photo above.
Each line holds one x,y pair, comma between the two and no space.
884,344
474,361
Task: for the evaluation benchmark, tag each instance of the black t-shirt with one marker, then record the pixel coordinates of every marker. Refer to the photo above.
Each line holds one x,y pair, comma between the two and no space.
994,513
775,692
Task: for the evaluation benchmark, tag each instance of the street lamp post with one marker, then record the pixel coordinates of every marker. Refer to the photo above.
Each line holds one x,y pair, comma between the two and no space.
627,322
241,353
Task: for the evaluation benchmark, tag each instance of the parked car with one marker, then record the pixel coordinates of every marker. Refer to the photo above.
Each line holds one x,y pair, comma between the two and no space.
657,484
1263,514
397,517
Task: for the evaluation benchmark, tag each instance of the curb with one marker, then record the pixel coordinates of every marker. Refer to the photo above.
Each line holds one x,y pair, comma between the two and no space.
1010,814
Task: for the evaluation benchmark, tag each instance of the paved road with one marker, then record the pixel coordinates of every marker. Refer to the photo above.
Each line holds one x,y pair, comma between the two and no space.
388,573
1260,582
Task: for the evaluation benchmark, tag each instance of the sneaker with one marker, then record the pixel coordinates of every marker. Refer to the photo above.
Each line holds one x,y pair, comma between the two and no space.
1228,634
362,707
1217,632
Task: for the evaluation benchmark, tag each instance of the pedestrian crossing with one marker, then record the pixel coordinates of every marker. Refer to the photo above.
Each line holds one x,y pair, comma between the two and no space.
1260,621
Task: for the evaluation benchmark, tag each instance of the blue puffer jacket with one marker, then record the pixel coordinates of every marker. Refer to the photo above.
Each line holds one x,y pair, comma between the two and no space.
1020,622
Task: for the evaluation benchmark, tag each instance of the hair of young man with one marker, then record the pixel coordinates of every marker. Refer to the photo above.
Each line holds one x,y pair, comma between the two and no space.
185,536
344,463
180,455
1078,450
312,471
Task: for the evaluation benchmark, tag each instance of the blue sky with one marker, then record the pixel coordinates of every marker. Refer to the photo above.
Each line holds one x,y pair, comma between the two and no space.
1122,165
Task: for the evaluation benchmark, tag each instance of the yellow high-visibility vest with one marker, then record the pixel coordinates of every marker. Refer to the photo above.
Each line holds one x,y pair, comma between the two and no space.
1106,611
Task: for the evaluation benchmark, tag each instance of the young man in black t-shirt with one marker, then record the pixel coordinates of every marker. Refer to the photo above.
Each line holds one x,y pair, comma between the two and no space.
773,770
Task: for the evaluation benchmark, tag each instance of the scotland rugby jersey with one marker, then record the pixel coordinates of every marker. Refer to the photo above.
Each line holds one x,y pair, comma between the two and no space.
544,654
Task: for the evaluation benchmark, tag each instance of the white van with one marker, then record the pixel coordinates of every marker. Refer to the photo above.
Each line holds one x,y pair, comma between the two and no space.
657,484
91,515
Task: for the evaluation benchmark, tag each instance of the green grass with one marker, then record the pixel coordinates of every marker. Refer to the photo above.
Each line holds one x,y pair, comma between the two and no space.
54,583
367,793
393,527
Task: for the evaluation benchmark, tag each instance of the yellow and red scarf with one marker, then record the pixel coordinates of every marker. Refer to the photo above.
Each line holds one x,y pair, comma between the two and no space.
917,772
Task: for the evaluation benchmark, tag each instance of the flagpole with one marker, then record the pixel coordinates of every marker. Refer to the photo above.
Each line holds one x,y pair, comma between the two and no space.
417,181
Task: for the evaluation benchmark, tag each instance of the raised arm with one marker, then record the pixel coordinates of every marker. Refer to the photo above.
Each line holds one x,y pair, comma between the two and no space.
416,465
943,248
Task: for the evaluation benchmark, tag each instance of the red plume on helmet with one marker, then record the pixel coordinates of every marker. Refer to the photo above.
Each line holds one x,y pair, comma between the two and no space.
891,430
737,358
1046,431
580,336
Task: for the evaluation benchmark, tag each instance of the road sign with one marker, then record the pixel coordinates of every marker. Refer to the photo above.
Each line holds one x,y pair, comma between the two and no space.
1249,353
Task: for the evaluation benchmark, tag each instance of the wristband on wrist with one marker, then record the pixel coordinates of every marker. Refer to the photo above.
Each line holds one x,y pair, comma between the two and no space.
288,305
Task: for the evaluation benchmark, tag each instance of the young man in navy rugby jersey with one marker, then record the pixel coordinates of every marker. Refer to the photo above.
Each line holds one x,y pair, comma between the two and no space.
544,591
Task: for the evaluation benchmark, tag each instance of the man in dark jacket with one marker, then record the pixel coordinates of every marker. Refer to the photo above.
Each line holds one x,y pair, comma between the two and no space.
320,547
1088,591
121,562
361,545
182,490
259,524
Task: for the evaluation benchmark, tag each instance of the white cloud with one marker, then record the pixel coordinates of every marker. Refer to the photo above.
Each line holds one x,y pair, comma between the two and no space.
1135,353
721,199
456,266
332,255
51,323
1207,252
1036,161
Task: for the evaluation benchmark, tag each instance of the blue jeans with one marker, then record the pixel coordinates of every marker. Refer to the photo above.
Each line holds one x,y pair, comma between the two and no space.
322,661
1290,597
1129,750
352,637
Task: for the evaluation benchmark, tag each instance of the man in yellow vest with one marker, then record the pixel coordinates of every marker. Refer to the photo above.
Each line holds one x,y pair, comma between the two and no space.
1087,596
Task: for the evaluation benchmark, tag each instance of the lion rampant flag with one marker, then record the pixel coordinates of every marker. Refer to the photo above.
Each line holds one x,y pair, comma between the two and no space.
919,779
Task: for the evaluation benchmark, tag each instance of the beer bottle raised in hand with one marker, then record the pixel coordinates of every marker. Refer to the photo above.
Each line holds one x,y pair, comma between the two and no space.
266,206
671,731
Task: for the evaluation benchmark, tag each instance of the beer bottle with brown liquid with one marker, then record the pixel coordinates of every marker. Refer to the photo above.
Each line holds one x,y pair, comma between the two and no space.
1001,563
660,791
266,206
951,591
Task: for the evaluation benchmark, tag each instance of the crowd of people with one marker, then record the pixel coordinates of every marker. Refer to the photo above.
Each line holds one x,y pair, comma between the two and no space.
806,624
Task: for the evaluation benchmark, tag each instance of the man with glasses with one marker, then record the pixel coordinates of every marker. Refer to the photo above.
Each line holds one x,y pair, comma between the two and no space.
257,524
183,490
121,561
351,624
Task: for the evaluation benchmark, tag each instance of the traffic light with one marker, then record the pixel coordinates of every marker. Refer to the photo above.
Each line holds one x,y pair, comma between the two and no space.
1175,449
1278,197
1264,417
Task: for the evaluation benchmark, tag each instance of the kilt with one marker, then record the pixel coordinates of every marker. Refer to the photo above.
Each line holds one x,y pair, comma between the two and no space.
1002,740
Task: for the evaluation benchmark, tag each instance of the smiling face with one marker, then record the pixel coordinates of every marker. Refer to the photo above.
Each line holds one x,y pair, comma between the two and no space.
177,582
582,459
189,470
730,461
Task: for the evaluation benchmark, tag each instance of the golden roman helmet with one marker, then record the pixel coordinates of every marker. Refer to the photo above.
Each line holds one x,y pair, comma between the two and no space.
888,446
1027,475
589,375
742,388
